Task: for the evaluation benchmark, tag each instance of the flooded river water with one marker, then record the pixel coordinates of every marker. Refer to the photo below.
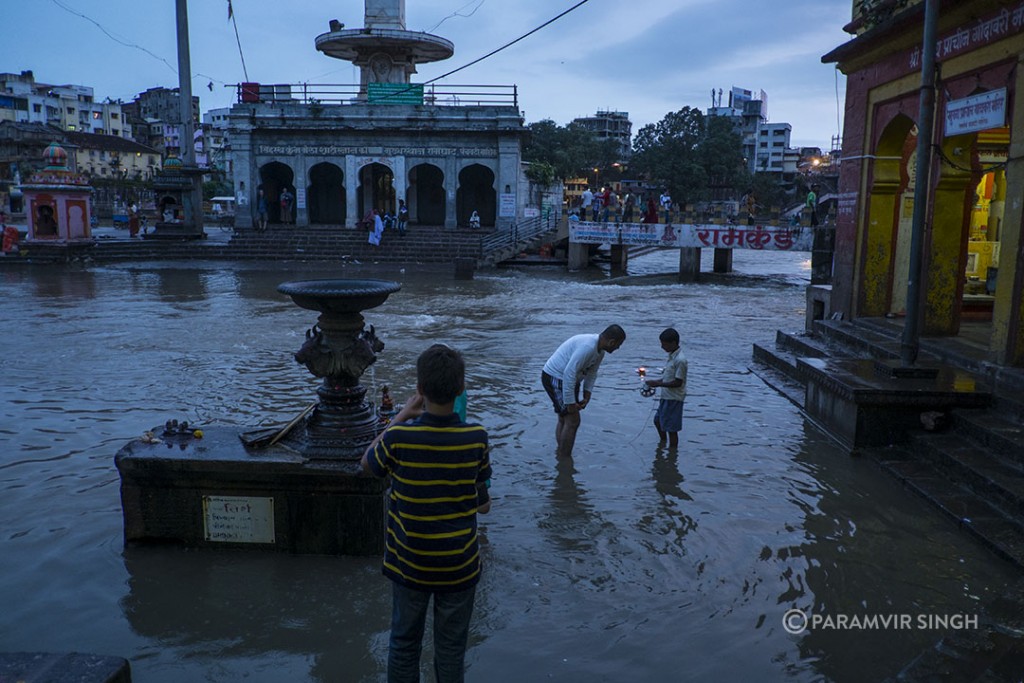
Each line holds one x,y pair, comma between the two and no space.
629,564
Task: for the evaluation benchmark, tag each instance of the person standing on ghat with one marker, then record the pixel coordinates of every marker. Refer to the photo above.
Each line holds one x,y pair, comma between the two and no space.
573,366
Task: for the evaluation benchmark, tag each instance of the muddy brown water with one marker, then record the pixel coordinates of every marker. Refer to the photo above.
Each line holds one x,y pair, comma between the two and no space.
631,563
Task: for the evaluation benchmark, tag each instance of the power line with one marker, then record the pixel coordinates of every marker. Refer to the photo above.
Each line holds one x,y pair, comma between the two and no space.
509,44
112,36
478,3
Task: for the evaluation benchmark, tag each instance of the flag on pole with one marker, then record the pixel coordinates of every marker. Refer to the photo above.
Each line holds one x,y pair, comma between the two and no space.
231,11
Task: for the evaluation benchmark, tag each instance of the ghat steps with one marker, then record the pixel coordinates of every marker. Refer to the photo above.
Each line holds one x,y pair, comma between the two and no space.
970,466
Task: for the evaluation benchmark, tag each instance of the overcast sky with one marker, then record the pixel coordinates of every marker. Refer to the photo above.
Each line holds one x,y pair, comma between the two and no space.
644,57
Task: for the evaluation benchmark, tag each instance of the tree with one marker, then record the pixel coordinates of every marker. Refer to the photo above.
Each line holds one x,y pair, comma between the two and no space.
666,153
570,150
721,154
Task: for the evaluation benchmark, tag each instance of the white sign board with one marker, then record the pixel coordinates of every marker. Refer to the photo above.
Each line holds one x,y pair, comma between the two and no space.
300,197
531,212
507,205
762,237
238,519
977,112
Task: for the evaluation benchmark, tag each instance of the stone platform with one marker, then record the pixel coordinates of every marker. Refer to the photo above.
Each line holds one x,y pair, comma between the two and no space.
214,492
860,407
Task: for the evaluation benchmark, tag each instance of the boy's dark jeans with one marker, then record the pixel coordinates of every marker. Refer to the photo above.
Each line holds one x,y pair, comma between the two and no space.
452,612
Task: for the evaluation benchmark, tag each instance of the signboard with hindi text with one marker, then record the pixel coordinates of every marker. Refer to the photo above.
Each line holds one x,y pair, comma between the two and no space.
978,112
394,93
238,519
763,237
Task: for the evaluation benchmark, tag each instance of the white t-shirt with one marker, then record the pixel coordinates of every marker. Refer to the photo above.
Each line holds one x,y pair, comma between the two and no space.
576,360
586,198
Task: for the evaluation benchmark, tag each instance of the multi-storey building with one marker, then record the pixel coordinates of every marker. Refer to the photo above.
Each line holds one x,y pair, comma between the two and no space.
69,107
109,156
611,125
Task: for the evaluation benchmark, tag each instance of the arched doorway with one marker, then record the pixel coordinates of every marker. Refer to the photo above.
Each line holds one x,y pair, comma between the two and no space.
885,205
274,178
326,194
427,204
376,189
476,193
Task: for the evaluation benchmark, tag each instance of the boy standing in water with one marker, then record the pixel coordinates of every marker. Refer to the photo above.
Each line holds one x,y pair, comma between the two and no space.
669,418
438,466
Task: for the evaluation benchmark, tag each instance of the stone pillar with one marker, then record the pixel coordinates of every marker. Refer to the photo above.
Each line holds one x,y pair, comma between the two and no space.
246,177
579,256
351,185
822,247
300,180
1007,344
451,185
723,261
689,264
620,258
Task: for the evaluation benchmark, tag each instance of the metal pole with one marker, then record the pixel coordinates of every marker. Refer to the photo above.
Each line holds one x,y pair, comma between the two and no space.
910,343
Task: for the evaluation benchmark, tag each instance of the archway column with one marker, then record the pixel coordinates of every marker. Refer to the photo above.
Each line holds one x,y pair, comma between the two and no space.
1008,312
351,187
451,186
878,247
946,240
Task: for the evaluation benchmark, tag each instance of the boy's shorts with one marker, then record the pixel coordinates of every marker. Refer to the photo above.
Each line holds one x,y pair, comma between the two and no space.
670,415
554,388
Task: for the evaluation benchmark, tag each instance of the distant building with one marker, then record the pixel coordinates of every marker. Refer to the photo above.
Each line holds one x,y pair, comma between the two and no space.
614,125
217,141
155,115
772,145
107,156
69,107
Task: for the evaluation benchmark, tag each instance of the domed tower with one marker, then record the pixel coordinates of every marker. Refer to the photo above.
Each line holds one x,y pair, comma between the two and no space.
383,49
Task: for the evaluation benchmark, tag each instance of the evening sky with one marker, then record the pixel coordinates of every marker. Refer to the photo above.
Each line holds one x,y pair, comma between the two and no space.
644,57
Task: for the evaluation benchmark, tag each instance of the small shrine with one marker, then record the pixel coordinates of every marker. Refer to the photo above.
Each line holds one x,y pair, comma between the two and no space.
57,201
176,203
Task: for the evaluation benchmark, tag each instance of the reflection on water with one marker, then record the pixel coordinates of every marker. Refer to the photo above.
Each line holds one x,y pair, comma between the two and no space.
632,562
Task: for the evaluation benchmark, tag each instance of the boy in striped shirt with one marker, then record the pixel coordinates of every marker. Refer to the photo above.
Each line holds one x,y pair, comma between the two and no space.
439,467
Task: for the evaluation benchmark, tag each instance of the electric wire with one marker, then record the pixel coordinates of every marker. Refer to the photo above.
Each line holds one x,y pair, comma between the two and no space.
112,36
478,3
234,22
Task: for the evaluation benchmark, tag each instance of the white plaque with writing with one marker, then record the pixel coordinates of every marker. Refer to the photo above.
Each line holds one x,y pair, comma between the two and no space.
978,112
238,519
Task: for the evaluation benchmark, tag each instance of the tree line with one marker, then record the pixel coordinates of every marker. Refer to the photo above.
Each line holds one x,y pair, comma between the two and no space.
697,158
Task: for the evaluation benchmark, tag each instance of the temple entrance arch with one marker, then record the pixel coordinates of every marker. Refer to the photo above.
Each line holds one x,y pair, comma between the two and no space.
889,181
426,198
326,194
274,178
376,189
476,193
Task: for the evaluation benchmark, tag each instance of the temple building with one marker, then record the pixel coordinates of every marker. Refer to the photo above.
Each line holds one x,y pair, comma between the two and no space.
446,151
972,275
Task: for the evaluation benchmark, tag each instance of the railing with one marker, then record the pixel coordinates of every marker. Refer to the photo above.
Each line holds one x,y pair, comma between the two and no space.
520,231
342,94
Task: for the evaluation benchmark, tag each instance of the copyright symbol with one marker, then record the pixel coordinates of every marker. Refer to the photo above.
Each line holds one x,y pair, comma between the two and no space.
794,621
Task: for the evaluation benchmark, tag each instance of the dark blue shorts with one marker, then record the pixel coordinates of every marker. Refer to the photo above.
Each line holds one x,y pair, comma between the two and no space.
670,415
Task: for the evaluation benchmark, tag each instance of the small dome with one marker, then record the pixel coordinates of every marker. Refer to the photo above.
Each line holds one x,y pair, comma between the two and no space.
172,164
55,156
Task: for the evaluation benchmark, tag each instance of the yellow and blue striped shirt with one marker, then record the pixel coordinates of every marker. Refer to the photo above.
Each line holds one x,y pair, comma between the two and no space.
435,463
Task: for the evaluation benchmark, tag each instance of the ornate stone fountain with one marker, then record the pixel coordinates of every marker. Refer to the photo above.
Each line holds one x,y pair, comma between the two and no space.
339,349
300,493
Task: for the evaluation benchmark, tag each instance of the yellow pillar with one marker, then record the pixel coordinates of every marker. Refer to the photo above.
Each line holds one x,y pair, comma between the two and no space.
1007,345
878,240
946,241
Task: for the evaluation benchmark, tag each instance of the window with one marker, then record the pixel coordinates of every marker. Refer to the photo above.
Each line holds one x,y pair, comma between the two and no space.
37,108
113,115
97,115
115,131
71,110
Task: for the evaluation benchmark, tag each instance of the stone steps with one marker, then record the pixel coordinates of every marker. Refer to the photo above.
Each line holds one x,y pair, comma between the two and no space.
972,469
